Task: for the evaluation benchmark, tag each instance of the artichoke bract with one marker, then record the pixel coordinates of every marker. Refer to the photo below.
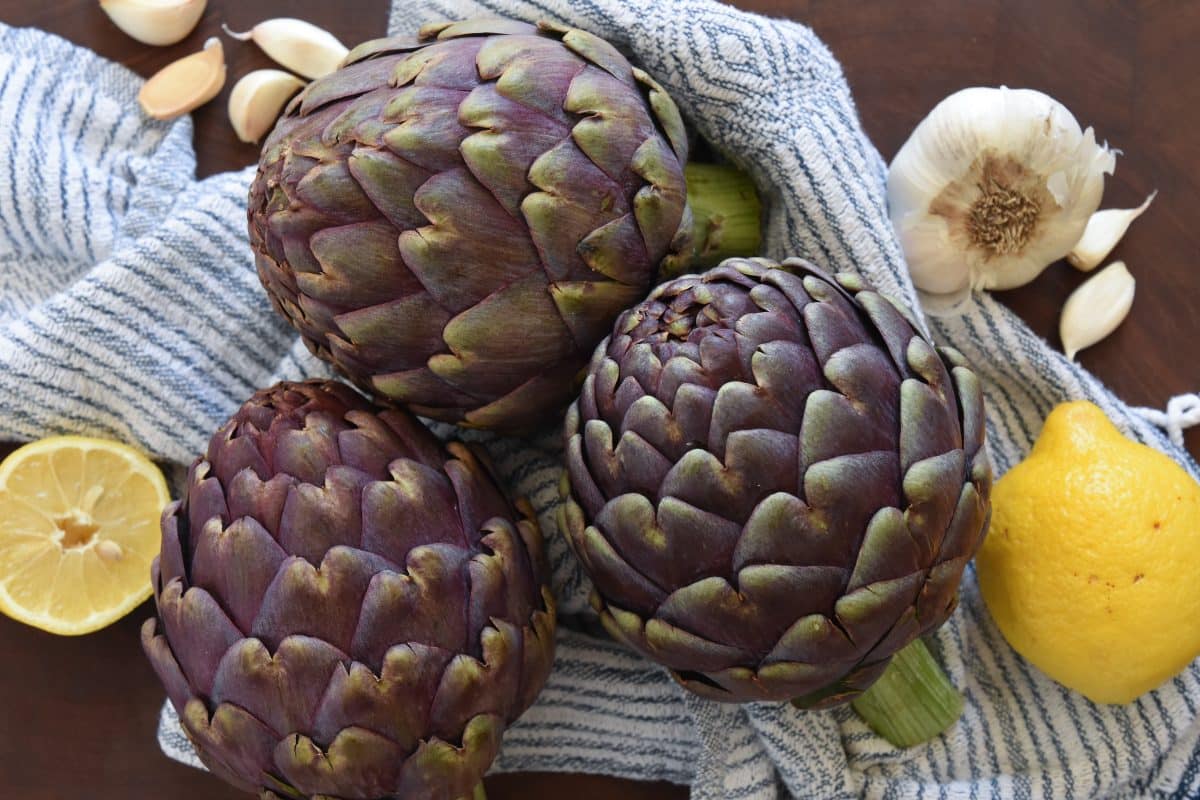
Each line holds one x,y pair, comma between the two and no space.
774,481
454,222
345,608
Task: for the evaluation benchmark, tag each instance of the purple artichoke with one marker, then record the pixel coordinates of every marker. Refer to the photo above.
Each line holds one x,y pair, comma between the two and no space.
775,481
455,222
346,609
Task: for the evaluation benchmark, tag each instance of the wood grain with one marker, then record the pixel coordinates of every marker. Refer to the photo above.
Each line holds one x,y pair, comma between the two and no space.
77,716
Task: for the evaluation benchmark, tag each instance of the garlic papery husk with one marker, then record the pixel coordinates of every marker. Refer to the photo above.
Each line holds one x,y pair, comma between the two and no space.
298,45
992,187
156,22
186,84
257,100
1103,231
1096,308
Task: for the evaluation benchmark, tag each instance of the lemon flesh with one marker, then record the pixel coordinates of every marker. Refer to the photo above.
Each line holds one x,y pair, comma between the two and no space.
79,527
1089,566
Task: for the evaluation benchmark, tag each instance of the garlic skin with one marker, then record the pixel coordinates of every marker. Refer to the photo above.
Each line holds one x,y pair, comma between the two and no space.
155,22
1096,308
992,187
298,45
257,100
1103,231
186,84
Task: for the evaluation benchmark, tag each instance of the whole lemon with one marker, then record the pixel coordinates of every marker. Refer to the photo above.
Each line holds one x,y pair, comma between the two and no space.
1090,567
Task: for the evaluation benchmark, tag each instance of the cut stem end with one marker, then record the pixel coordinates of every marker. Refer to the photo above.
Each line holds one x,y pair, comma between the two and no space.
913,701
477,794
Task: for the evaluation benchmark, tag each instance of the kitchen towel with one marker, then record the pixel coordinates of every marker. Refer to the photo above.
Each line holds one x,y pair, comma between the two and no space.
129,308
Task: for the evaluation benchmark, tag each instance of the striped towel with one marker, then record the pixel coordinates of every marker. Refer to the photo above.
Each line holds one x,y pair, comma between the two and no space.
129,308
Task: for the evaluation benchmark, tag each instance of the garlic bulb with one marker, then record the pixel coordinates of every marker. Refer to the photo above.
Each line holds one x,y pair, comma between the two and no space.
992,187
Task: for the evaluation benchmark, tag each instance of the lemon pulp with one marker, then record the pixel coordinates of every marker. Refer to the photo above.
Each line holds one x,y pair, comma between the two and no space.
79,527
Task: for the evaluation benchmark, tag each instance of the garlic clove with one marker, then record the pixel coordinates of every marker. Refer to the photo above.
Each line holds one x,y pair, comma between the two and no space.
298,45
156,22
1104,229
1096,308
185,84
257,100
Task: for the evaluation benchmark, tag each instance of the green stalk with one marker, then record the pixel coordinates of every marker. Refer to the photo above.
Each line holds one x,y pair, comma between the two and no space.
913,701
727,217
478,794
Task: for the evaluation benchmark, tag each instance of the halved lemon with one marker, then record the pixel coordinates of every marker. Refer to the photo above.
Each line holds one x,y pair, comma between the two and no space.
79,526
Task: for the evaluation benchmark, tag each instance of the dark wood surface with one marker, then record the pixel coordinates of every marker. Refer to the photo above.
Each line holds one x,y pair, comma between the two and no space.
77,716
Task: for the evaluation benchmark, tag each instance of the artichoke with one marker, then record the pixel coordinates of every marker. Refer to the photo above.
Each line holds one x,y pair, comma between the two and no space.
774,481
346,609
455,222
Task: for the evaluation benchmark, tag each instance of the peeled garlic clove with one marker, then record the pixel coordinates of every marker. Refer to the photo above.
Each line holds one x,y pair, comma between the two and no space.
185,84
156,22
1103,231
298,45
257,99
1096,308
991,188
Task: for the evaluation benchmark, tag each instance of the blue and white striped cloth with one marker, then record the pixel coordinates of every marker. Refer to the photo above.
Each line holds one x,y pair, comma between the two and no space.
129,308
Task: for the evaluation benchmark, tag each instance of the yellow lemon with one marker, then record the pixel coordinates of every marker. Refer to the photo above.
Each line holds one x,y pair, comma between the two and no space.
1090,565
79,526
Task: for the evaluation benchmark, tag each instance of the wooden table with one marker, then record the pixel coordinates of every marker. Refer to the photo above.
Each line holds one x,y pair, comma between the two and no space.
77,716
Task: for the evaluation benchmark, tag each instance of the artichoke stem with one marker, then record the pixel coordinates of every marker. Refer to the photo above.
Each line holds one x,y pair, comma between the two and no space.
727,215
913,701
477,794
